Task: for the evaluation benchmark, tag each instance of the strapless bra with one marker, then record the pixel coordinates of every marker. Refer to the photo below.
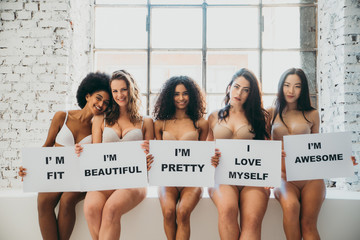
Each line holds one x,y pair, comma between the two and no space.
66,138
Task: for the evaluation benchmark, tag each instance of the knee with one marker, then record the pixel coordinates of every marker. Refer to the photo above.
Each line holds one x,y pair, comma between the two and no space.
68,203
228,213
92,211
111,213
45,204
308,225
252,221
291,209
183,215
169,214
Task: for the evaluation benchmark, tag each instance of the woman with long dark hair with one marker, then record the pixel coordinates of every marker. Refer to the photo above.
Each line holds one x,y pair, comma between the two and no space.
66,129
301,201
242,117
179,112
104,209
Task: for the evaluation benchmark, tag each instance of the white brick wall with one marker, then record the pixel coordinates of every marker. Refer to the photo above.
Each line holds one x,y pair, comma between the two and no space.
339,71
36,49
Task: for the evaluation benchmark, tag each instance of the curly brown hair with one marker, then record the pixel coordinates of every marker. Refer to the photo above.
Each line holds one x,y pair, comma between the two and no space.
165,107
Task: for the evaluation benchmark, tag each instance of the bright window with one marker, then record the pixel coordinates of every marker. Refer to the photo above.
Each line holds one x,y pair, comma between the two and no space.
208,40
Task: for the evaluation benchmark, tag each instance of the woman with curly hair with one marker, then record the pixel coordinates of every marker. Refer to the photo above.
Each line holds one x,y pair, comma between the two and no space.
104,209
243,117
179,112
301,201
66,129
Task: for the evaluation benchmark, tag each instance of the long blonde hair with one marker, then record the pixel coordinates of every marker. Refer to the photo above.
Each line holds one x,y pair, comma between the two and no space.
134,101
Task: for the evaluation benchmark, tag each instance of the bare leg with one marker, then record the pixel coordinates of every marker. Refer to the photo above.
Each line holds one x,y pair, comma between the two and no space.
47,219
93,206
168,197
189,198
253,205
120,202
312,197
226,200
288,196
67,215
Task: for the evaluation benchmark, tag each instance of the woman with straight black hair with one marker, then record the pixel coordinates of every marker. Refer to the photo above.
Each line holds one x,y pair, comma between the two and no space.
243,117
301,201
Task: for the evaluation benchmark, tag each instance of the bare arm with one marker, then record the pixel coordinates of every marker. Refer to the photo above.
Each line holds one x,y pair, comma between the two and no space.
158,129
315,119
204,129
148,129
55,126
97,129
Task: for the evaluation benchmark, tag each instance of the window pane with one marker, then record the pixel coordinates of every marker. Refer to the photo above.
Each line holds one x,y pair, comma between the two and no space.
120,27
289,27
134,62
232,1
268,101
121,2
287,1
169,2
275,63
214,102
233,27
168,64
176,27
221,66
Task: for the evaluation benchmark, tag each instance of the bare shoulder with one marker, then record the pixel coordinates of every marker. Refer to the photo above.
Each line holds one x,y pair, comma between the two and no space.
271,111
148,121
59,117
313,115
213,116
158,124
98,119
203,123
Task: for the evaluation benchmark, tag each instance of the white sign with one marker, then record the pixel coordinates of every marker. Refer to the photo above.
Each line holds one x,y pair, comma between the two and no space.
182,163
108,166
51,169
249,162
318,156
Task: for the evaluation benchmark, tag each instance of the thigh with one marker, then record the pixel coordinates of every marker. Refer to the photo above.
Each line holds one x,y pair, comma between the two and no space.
288,192
312,197
49,199
253,200
123,200
189,197
72,197
168,197
225,196
96,199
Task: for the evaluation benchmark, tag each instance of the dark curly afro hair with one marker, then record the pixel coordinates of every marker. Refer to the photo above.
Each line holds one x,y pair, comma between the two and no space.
93,82
165,107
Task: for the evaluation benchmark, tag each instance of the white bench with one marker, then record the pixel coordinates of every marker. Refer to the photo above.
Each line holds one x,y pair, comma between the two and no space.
339,218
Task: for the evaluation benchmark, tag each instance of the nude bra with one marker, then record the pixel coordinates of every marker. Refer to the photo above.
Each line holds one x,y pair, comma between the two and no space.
188,136
223,132
109,134
66,138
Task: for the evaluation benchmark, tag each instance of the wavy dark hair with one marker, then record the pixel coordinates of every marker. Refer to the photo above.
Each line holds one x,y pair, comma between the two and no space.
134,101
303,103
257,116
93,82
165,109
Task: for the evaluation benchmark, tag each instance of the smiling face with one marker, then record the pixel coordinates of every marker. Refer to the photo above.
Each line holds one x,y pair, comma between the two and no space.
120,92
181,97
239,91
292,88
98,102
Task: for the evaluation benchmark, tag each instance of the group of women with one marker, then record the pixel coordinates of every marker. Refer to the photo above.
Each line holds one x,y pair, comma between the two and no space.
110,113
